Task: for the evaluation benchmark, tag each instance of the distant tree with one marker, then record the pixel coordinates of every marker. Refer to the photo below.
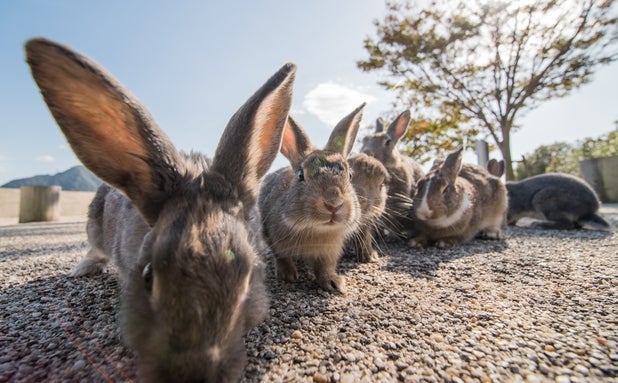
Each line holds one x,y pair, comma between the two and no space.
491,61
604,146
558,157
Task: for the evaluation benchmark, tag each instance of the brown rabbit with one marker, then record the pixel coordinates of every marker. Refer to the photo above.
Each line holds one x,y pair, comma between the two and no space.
174,225
310,209
455,201
370,179
404,173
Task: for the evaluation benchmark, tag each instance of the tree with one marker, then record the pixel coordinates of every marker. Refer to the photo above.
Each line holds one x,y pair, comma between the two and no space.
490,60
558,157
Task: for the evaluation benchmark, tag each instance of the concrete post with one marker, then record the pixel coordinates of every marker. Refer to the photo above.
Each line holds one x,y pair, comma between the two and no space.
39,203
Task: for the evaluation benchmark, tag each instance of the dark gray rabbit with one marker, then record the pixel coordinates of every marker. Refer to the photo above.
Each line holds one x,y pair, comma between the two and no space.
561,201
174,225
403,171
454,202
309,209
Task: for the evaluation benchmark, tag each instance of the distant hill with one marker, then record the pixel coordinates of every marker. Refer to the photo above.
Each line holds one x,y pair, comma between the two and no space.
77,178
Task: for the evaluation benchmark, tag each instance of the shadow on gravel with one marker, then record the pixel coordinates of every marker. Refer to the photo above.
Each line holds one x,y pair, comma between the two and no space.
63,329
423,262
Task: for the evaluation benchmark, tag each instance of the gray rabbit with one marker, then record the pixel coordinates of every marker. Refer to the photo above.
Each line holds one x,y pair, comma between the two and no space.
370,179
561,201
454,202
309,209
403,171
175,225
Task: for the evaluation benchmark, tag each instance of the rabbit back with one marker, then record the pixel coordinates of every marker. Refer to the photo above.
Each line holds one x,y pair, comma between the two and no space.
556,197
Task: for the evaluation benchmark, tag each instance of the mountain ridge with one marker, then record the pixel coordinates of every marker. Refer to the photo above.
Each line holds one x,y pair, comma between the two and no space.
77,178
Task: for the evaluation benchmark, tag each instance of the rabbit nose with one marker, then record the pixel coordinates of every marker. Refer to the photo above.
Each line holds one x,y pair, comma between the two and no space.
331,208
424,214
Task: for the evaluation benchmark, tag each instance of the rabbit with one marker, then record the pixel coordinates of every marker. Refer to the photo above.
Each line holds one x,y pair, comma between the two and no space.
454,202
404,173
309,209
561,201
370,179
174,224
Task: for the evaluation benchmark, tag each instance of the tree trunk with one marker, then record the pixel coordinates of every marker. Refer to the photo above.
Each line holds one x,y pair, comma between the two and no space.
505,148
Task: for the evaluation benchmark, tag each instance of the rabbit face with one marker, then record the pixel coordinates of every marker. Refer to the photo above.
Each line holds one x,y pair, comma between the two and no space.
323,184
369,178
437,197
193,330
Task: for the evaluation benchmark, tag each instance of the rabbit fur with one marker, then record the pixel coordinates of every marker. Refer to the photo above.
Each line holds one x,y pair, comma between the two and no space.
403,171
454,202
309,209
370,179
174,224
561,201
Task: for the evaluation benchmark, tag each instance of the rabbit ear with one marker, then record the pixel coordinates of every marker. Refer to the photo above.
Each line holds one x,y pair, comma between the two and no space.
379,125
253,135
452,164
398,127
343,135
296,144
495,167
107,128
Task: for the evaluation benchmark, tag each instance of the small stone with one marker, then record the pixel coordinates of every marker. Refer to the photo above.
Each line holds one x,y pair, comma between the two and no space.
296,334
582,370
563,379
79,365
348,378
320,378
549,348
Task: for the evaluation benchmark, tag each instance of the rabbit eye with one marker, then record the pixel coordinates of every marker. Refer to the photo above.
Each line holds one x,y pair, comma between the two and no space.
387,142
300,174
147,275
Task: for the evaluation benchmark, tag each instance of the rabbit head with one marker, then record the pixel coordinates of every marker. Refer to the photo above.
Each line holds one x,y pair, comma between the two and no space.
323,194
196,285
370,179
382,144
438,196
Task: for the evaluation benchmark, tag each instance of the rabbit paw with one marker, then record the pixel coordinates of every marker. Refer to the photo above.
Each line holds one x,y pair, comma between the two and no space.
491,234
333,283
418,242
286,270
368,256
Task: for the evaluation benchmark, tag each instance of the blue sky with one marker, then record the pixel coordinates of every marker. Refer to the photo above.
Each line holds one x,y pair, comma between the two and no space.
193,63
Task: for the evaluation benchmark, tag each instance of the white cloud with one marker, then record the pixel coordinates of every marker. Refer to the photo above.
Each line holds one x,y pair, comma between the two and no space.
45,158
330,102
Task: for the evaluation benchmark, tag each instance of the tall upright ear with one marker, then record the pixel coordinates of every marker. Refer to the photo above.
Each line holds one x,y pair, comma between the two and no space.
252,138
108,129
495,167
296,144
452,164
379,125
398,127
342,138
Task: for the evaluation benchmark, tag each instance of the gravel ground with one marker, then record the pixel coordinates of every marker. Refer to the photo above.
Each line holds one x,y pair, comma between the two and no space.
537,306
